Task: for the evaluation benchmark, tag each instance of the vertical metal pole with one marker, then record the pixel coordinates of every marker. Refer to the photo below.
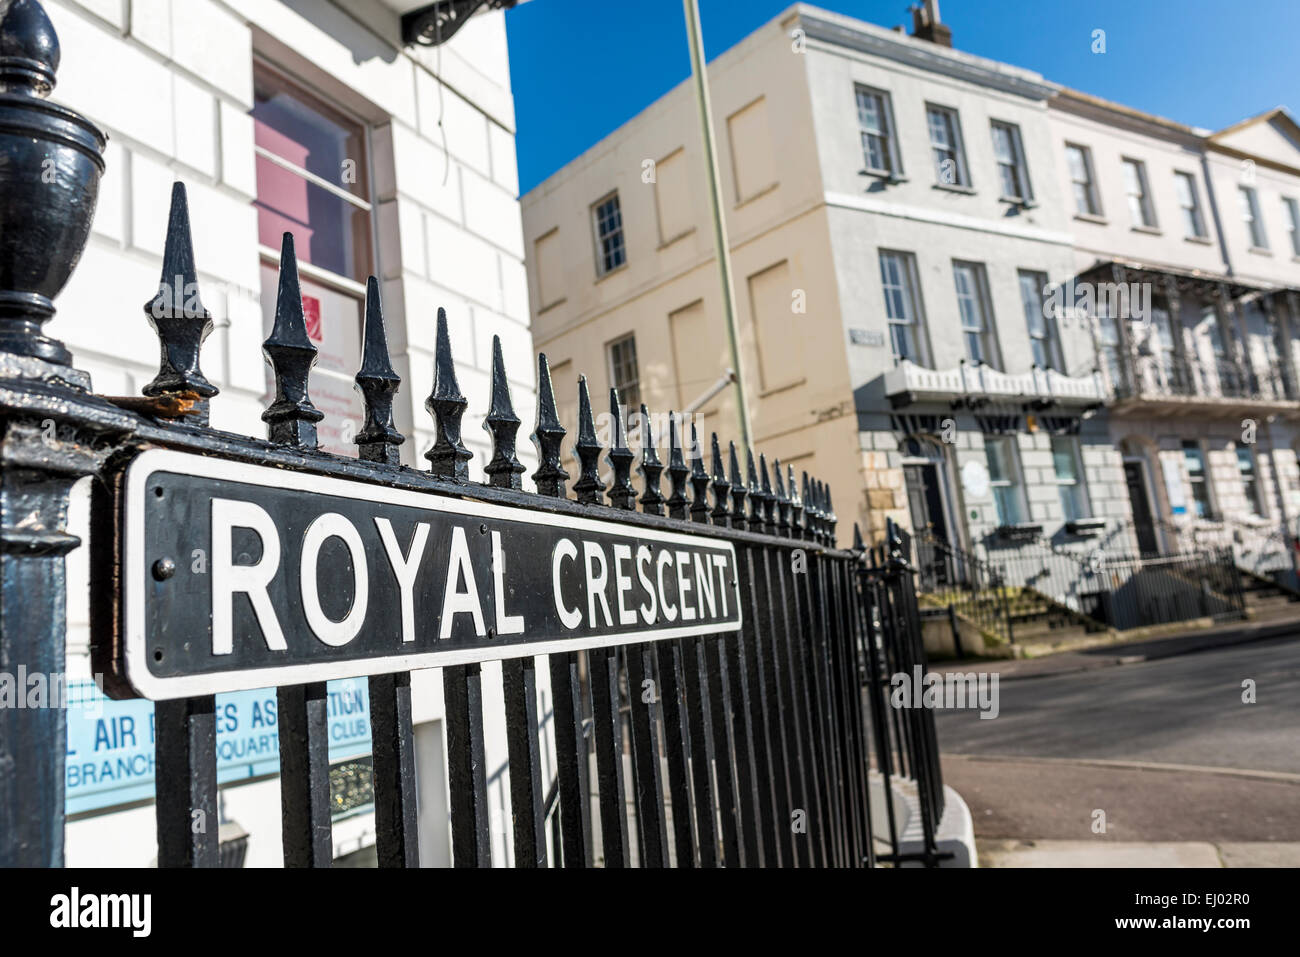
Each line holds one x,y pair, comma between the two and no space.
396,831
303,723
721,244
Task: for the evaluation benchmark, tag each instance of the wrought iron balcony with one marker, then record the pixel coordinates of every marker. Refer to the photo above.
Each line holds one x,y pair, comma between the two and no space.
1188,379
975,385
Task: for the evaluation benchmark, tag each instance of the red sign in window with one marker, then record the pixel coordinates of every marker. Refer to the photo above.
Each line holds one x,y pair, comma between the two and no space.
311,311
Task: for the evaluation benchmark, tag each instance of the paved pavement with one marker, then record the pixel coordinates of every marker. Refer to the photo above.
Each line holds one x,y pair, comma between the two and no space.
1166,749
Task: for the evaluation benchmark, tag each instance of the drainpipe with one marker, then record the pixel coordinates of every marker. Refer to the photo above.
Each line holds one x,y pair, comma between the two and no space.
720,241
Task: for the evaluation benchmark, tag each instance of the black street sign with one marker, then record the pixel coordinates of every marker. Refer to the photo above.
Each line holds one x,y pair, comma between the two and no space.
239,576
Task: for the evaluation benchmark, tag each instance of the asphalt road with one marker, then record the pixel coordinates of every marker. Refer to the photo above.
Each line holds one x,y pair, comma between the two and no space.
1028,774
1181,710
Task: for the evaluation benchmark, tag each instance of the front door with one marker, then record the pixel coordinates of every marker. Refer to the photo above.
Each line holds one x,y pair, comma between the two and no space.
925,502
1143,522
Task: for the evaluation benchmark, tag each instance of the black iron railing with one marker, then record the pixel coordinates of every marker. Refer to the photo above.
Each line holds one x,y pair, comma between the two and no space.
906,743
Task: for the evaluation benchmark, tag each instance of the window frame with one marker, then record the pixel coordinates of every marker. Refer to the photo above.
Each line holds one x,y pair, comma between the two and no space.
1251,216
1147,209
894,170
611,367
594,212
957,149
988,334
1195,211
1292,206
1206,498
1078,489
1019,164
1089,182
1250,486
910,294
269,257
1015,482
1050,339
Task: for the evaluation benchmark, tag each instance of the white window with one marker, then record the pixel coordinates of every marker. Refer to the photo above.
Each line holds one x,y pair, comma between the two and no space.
946,144
1010,155
1190,204
972,304
1079,159
1004,479
1293,223
1194,224
1042,339
1249,477
1139,197
1249,201
876,123
902,308
1197,476
301,142
607,221
1069,484
623,372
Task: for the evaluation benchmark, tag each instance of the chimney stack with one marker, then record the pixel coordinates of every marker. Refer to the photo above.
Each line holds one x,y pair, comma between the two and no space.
927,26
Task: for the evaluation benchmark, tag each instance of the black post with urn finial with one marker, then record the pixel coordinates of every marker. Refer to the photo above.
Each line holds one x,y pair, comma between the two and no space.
52,431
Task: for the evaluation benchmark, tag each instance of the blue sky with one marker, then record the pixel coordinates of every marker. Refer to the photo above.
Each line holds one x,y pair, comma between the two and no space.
581,68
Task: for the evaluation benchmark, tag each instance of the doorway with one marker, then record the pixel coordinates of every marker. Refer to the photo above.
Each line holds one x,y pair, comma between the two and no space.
1144,526
929,523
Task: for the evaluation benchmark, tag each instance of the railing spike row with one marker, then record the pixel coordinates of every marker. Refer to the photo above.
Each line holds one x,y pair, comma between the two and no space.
739,491
652,499
448,457
504,469
548,435
677,469
796,505
378,384
176,313
587,450
292,418
782,501
621,493
721,487
699,480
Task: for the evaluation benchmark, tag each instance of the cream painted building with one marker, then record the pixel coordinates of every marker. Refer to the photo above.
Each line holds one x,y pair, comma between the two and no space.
912,229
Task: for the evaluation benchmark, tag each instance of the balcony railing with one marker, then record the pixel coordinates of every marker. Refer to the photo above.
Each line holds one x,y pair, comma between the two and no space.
1169,375
909,382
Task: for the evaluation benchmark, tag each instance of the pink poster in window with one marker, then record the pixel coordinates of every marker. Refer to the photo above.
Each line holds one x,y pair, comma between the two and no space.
311,311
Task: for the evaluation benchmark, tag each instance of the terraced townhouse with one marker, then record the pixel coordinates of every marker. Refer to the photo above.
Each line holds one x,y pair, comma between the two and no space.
933,255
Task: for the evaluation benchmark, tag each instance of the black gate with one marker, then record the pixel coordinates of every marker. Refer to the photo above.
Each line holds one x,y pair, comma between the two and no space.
755,735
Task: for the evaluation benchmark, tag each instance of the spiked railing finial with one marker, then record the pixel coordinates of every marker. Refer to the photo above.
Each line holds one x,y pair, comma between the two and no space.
292,418
504,469
782,501
721,487
796,505
766,497
621,494
378,384
739,491
587,449
677,469
448,458
755,492
809,510
831,519
548,435
176,313
652,499
699,480
859,547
